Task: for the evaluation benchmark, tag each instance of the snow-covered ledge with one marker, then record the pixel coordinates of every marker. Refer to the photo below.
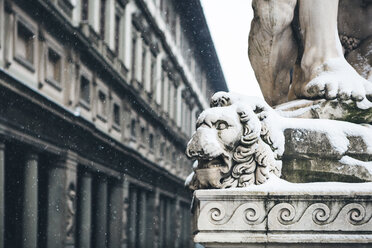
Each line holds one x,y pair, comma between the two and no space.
280,214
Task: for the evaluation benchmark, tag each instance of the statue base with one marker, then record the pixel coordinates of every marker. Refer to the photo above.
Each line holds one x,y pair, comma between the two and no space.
283,214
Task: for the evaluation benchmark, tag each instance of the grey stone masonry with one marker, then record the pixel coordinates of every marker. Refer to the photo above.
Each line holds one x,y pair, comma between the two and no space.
282,214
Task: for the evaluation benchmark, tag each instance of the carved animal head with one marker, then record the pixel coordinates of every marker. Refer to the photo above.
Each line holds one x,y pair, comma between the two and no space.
226,145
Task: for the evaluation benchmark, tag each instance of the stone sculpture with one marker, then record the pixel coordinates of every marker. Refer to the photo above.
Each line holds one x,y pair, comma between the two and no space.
241,141
297,53
229,149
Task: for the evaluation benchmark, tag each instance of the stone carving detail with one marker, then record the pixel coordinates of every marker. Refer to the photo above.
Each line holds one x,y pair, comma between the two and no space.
71,195
249,213
305,216
232,146
319,216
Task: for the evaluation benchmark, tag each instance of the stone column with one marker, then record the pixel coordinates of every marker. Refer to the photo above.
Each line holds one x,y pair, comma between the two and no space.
177,221
124,215
157,215
85,205
30,202
110,24
115,211
2,193
8,33
133,214
142,219
61,203
100,215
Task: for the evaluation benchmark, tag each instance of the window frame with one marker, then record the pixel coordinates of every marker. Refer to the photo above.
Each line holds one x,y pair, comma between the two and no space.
32,31
55,48
82,101
101,89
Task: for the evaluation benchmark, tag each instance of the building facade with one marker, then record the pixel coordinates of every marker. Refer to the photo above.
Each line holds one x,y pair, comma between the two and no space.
98,100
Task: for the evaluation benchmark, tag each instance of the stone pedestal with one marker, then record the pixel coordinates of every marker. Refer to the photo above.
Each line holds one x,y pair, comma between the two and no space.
282,214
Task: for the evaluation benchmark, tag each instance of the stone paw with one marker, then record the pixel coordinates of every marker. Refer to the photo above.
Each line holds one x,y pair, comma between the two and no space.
336,78
220,99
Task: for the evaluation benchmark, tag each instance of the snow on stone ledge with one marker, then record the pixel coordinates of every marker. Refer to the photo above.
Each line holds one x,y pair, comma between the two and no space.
276,186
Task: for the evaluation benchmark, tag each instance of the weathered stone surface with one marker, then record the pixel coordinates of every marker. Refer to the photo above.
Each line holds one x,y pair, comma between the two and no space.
310,157
305,143
279,214
326,109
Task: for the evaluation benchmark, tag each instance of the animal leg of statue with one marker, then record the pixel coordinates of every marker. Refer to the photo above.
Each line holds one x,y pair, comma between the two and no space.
272,47
324,71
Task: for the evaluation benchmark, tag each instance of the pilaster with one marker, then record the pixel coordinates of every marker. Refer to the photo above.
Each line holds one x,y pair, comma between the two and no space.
124,215
93,14
30,202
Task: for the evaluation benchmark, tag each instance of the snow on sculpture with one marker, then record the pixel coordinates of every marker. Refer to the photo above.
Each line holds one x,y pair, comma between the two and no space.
231,147
240,142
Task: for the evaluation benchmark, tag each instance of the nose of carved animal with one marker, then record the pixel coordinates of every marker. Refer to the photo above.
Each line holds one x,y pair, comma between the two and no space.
194,148
201,143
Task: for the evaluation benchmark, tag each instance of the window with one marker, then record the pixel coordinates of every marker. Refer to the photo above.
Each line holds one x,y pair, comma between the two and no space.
174,157
151,141
116,117
144,54
152,72
54,68
84,91
162,150
84,10
163,77
134,51
102,19
170,97
25,44
117,33
133,128
143,135
102,105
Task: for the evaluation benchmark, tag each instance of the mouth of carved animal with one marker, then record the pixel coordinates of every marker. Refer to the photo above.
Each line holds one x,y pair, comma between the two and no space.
222,162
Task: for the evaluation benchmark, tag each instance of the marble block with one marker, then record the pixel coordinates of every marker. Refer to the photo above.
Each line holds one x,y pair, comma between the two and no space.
283,214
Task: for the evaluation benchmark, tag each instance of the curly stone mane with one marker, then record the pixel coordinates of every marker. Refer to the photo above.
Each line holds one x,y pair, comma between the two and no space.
253,158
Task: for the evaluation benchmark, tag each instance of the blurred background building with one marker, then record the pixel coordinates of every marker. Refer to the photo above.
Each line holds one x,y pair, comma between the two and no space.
98,99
